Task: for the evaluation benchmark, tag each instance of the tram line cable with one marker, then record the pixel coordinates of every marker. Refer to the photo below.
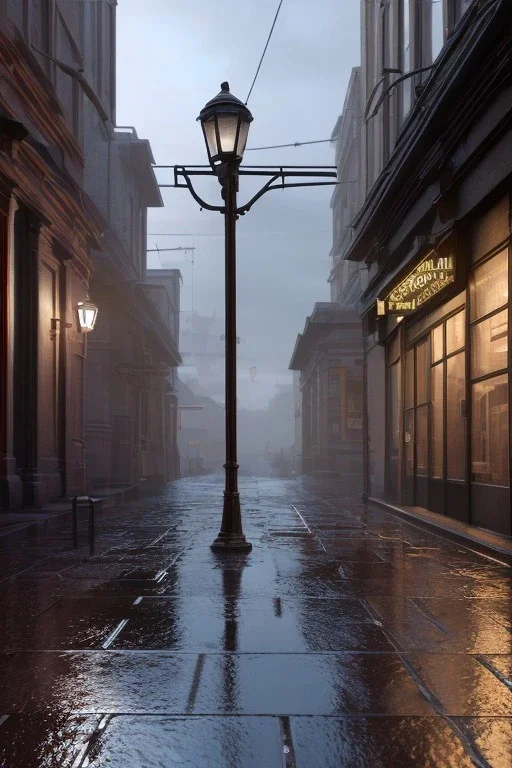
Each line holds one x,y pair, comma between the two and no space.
264,51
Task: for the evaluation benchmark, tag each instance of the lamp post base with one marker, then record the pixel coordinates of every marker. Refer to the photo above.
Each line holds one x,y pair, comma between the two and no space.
231,542
231,537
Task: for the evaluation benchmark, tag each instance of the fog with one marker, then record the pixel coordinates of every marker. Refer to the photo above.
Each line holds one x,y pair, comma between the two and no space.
171,58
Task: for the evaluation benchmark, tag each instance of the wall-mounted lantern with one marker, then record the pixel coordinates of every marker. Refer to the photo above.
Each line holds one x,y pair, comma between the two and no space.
87,313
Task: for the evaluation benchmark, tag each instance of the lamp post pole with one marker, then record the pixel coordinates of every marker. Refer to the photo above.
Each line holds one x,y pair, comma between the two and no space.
231,536
225,122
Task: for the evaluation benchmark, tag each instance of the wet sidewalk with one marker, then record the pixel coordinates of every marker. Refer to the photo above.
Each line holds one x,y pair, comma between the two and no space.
345,638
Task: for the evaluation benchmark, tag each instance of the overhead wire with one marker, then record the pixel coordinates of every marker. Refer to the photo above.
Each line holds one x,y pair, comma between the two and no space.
294,144
264,50
221,234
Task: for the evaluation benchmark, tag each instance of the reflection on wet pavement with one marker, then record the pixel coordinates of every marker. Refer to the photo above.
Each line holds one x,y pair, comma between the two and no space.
346,637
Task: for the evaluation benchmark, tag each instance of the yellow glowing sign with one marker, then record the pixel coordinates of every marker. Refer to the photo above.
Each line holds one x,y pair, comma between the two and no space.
426,280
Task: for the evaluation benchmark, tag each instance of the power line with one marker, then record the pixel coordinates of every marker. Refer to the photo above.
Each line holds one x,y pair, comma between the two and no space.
221,234
295,144
265,49
181,248
185,234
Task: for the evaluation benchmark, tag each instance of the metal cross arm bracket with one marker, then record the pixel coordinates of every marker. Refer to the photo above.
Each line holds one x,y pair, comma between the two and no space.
278,179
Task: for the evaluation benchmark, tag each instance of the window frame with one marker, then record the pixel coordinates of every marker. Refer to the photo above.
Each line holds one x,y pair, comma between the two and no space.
473,381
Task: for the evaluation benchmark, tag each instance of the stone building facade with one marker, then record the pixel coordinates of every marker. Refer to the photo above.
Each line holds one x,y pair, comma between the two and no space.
433,228
60,224
328,354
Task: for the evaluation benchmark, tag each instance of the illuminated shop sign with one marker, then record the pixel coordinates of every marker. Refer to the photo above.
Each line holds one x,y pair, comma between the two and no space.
426,280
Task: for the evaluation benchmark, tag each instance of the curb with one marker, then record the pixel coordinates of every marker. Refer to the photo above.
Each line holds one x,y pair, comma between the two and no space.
479,541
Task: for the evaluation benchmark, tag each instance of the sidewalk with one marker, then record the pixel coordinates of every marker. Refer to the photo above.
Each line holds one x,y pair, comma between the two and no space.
339,640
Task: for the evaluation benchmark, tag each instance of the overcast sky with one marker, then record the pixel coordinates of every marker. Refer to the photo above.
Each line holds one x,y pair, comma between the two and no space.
172,57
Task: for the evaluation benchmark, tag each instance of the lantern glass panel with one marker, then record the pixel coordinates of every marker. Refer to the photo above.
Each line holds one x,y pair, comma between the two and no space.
228,125
211,137
242,137
87,317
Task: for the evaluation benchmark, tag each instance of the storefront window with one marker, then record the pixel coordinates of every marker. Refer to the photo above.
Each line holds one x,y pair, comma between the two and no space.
489,345
422,369
393,429
488,286
422,440
489,353
490,463
455,332
437,420
455,413
409,379
437,343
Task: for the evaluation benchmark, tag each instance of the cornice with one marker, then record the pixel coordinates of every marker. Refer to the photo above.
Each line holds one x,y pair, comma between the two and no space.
23,75
482,60
57,202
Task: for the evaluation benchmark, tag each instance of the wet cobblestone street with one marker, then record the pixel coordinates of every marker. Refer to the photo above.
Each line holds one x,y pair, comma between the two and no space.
345,638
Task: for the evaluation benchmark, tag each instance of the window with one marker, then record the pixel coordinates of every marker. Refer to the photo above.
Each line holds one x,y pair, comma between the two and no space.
393,416
455,332
406,56
437,419
422,440
99,48
448,398
489,286
489,356
455,413
436,27
422,366
409,442
437,344
490,431
489,345
409,379
40,26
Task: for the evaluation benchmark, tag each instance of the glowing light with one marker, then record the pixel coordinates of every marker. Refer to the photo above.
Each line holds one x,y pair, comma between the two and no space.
87,314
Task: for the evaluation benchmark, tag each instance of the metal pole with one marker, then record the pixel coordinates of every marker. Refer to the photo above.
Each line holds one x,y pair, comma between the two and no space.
231,537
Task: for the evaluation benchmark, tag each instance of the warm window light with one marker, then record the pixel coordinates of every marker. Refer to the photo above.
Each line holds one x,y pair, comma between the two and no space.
87,313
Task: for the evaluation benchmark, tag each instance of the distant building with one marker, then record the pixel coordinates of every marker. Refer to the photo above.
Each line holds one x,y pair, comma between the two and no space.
328,354
131,398
201,433
297,424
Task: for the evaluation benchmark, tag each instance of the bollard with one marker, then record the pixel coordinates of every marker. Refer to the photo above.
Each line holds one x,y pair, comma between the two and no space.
91,526
77,500
75,522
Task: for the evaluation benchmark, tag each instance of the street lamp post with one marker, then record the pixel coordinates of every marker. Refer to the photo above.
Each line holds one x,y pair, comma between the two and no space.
225,122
